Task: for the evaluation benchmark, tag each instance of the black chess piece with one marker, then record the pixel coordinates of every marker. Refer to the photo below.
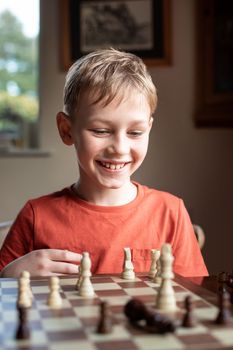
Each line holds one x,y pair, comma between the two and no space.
224,314
230,281
222,280
105,321
188,319
136,311
229,284
157,323
23,331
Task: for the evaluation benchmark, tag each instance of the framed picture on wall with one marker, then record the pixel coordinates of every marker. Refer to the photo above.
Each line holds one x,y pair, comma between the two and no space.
139,26
214,73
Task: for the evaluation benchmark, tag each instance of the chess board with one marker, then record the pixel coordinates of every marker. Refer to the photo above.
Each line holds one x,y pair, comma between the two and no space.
74,325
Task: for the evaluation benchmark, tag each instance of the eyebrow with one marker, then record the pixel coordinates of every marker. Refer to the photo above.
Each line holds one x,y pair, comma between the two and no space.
107,121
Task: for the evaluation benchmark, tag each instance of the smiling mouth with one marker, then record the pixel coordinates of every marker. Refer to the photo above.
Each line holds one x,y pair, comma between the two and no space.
112,166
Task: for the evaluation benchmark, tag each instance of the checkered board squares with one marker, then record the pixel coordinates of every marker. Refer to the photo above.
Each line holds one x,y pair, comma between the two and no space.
74,325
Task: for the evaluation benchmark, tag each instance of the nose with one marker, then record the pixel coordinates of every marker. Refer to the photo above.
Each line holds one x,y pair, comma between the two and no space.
119,145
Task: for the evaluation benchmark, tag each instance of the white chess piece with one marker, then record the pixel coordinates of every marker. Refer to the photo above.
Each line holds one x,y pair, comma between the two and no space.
166,296
128,268
157,277
24,299
26,274
85,287
54,298
155,254
80,276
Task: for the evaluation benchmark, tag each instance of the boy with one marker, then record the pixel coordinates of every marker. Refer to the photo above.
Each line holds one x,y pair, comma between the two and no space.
109,101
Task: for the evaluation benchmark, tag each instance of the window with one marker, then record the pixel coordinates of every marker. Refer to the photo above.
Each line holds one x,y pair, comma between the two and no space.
19,107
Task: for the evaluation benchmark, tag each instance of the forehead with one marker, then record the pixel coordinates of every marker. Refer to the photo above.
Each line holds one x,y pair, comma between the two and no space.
131,108
122,97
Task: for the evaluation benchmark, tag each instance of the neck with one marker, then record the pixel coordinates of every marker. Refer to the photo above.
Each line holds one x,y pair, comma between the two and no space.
106,197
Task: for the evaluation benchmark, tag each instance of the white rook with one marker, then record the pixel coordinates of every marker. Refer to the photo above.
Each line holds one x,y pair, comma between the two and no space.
128,268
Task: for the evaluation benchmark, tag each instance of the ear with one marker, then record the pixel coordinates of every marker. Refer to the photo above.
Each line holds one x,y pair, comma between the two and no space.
151,122
64,128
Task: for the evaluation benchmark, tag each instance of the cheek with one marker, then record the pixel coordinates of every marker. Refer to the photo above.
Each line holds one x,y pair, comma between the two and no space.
87,147
141,148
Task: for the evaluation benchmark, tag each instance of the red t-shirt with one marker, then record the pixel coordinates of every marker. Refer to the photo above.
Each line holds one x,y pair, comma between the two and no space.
63,221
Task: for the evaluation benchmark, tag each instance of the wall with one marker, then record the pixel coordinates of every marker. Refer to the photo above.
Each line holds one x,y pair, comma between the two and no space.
196,164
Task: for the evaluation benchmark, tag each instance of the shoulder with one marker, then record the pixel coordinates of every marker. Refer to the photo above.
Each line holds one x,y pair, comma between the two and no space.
160,198
51,198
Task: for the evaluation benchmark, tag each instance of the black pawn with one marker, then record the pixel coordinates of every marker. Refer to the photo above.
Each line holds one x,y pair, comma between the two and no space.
22,330
105,322
224,314
230,281
188,319
222,280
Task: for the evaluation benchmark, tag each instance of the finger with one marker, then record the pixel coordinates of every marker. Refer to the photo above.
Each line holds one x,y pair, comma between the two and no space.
60,274
63,255
63,268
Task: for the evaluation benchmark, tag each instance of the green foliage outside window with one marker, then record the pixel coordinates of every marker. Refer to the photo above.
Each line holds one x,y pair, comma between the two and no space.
18,78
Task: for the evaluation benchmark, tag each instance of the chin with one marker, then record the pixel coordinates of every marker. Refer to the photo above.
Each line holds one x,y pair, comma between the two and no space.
113,184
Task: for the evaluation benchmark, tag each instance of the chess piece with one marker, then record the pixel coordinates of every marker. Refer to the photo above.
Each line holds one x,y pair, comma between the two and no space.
166,296
54,298
222,280
23,331
85,288
128,268
105,323
24,299
136,311
224,314
157,277
26,275
153,268
229,279
188,319
80,275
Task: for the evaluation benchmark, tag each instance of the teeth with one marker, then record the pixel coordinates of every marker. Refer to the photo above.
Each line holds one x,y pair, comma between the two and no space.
113,166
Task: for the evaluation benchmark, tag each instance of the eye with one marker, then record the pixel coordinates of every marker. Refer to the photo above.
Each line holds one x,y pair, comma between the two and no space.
135,133
100,132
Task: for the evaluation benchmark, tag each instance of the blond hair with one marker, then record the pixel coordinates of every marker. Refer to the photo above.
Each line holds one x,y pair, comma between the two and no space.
106,74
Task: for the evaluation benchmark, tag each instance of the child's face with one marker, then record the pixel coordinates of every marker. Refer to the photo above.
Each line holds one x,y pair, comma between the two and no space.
111,142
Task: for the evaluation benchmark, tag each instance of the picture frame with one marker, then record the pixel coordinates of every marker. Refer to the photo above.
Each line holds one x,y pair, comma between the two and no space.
142,27
214,68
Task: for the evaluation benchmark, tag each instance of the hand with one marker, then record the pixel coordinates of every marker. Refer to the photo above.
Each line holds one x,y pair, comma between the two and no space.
44,262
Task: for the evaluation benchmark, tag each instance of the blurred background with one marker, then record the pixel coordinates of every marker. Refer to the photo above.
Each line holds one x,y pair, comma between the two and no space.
195,163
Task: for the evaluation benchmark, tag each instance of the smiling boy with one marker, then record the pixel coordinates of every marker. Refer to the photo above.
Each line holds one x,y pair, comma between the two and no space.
109,102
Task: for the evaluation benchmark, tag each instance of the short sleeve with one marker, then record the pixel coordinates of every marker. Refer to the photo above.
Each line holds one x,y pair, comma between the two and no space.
19,240
188,258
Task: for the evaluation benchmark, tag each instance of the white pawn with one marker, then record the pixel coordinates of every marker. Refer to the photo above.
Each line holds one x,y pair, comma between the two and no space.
85,288
166,296
23,297
54,298
80,276
157,277
128,268
155,254
26,274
